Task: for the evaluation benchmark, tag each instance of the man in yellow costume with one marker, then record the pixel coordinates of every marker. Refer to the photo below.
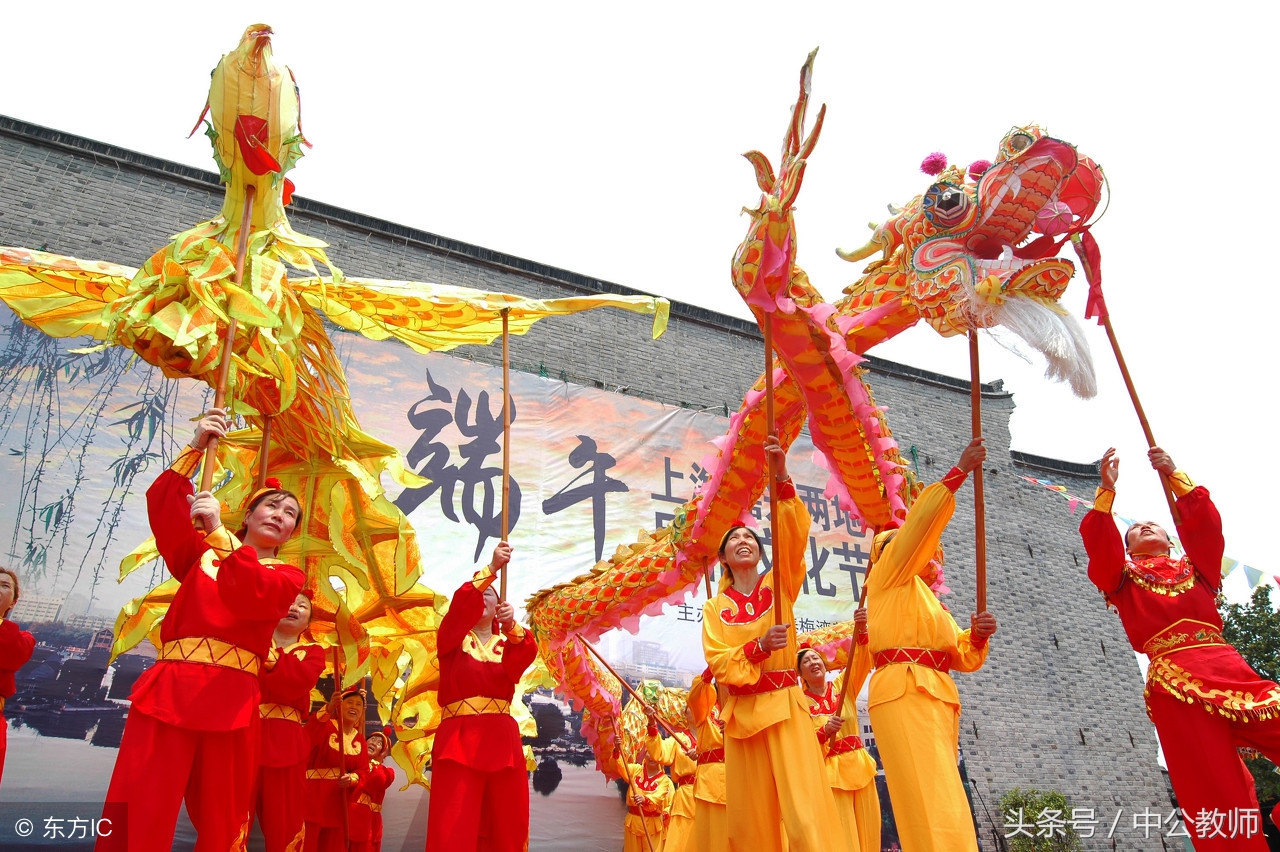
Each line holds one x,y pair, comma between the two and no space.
710,816
680,752
777,792
914,642
649,793
851,770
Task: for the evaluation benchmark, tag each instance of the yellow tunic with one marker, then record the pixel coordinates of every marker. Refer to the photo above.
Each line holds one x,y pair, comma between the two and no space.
650,818
915,709
777,797
852,774
674,752
710,817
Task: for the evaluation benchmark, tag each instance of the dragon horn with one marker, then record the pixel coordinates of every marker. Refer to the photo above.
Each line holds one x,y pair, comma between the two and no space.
852,255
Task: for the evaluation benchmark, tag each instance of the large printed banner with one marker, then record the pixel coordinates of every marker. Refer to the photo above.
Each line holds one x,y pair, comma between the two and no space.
83,435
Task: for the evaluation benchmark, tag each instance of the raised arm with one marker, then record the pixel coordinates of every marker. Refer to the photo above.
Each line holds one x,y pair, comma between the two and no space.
1200,529
793,525
467,604
1102,540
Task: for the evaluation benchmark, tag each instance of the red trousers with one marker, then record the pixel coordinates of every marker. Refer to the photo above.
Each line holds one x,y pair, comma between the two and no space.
482,811
160,765
279,800
4,743
1211,782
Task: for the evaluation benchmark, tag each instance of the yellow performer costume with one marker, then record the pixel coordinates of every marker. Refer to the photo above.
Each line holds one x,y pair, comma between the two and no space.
650,817
777,793
710,816
675,752
913,703
851,770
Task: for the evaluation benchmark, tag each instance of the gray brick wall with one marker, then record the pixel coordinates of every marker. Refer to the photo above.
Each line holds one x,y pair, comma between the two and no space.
1059,705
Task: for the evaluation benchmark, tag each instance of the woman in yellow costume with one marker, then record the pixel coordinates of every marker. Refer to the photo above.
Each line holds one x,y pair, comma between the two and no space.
777,793
710,816
914,642
649,793
680,752
851,770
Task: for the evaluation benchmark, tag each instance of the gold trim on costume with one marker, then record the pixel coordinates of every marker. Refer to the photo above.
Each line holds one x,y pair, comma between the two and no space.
2,699
1103,498
268,710
478,706
1182,634
485,652
1233,704
1181,484
364,799
332,773
211,652
1140,572
187,461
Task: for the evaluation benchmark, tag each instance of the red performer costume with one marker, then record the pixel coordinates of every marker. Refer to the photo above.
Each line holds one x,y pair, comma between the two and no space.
479,785
373,789
192,731
15,649
279,799
1203,698
335,822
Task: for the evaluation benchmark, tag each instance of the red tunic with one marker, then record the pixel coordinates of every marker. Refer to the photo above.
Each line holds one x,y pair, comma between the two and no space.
1168,610
226,594
372,791
325,763
486,742
287,679
15,649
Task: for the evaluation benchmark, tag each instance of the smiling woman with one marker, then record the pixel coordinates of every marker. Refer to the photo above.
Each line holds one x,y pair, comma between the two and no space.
193,727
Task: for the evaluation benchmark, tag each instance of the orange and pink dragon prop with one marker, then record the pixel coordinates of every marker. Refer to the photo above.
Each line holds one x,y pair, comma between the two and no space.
956,256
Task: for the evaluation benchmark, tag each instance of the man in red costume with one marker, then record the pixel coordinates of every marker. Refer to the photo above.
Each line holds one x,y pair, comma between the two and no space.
289,674
1203,697
479,785
192,731
373,789
336,768
15,649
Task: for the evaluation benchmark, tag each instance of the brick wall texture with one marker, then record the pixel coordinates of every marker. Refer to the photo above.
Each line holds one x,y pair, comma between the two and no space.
1059,703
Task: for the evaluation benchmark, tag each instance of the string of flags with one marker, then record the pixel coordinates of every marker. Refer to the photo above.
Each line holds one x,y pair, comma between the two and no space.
1253,576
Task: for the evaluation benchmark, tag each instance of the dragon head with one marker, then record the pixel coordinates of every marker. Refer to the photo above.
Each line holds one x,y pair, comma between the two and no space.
963,253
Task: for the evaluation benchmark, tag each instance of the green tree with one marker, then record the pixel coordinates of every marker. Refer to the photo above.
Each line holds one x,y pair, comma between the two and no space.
1254,629
1038,821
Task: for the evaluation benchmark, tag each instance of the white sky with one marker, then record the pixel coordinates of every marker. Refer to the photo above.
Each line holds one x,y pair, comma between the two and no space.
606,140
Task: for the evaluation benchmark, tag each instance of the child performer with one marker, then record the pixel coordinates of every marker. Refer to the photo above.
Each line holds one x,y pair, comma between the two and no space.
192,731
288,676
479,785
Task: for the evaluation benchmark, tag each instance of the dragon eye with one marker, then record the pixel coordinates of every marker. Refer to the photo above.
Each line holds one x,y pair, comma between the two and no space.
1019,142
946,205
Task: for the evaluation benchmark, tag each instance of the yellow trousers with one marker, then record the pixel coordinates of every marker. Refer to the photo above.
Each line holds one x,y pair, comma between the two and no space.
776,782
710,827
866,808
633,833
918,737
679,835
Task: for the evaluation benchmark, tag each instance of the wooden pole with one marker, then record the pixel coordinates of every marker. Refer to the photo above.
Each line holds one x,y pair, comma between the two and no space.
770,426
263,452
228,343
506,442
630,783
979,499
1137,407
625,685
706,576
342,748
848,675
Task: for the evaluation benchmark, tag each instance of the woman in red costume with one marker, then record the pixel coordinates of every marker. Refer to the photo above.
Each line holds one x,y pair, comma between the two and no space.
336,767
15,649
1205,700
193,729
373,790
479,785
288,676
